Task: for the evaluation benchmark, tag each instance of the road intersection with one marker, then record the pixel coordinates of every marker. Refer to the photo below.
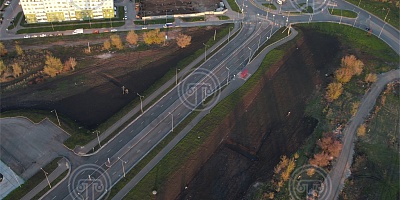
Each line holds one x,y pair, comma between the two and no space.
144,133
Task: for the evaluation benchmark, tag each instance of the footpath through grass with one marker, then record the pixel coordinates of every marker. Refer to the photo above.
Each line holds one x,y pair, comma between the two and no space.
375,168
154,21
25,188
158,176
381,10
344,13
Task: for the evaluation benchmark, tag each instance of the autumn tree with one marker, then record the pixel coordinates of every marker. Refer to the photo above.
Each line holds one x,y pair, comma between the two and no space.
343,75
371,78
154,37
2,67
183,40
310,171
107,45
70,64
320,159
3,50
17,70
132,37
335,148
352,63
361,131
19,50
116,41
357,67
334,90
53,66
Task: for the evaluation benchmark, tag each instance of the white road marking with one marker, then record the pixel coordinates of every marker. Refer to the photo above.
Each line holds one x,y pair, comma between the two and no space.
162,105
179,114
54,197
120,140
159,131
114,173
152,113
148,141
140,123
96,161
109,150
137,151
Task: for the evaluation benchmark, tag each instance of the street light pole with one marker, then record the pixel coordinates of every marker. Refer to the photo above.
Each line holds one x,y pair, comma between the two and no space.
123,167
381,31
98,139
45,173
59,124
176,75
250,54
205,52
259,41
172,122
227,78
386,14
341,16
141,102
229,34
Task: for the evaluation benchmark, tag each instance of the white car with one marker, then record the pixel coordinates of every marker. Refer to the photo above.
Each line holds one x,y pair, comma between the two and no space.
7,3
27,36
113,30
125,8
144,27
42,35
34,36
279,2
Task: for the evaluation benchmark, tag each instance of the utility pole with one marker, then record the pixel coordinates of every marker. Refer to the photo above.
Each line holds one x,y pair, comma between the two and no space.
141,102
123,168
59,124
45,173
88,44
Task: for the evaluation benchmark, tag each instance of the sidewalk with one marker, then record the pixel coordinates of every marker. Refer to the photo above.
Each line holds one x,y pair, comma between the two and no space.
233,85
89,146
62,167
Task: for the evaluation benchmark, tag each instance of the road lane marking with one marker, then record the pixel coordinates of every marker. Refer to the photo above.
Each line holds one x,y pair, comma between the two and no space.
114,173
54,197
159,131
109,150
140,123
148,141
162,105
96,161
138,151
179,114
120,140
152,113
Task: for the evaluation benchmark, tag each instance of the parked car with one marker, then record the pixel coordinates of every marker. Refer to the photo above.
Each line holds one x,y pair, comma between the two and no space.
96,32
125,8
279,2
106,31
114,30
115,8
42,35
34,36
27,36
144,27
7,3
51,35
60,34
125,18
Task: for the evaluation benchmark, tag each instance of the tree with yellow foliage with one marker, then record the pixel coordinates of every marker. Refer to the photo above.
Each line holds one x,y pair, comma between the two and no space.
333,91
154,37
371,78
343,74
132,37
19,50
17,70
3,50
53,66
361,131
107,45
183,40
116,41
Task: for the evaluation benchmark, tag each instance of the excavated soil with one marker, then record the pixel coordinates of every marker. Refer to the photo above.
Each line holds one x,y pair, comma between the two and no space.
268,123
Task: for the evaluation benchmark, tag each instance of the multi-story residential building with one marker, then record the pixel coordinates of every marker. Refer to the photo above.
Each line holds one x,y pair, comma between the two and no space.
66,10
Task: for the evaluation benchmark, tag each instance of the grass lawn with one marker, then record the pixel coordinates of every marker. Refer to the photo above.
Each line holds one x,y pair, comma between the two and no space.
381,9
344,13
70,27
19,192
234,6
222,17
191,143
269,5
375,169
155,21
192,19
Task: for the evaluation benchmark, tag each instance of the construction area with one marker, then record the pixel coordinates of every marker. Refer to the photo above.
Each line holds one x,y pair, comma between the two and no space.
171,7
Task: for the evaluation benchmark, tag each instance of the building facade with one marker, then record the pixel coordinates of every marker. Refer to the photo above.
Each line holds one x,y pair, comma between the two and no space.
66,10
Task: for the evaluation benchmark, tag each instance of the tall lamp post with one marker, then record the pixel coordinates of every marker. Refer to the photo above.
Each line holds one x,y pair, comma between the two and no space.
172,124
141,102
123,167
176,75
227,78
98,139
249,55
205,52
59,124
229,34
45,173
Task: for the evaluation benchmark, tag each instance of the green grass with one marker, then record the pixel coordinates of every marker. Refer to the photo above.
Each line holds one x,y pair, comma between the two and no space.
190,144
192,19
380,9
276,37
53,183
222,17
70,27
377,175
155,21
16,20
359,39
25,188
234,6
344,13
269,5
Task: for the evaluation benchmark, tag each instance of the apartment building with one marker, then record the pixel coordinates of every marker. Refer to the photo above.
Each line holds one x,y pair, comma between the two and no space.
66,10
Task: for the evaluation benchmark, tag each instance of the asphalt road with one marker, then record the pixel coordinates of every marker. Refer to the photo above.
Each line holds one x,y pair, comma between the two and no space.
137,139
